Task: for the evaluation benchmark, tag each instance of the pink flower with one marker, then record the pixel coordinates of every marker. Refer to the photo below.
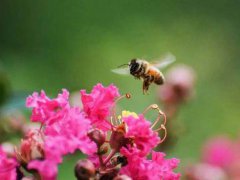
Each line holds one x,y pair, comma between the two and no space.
46,110
68,129
179,85
206,172
54,149
7,167
166,166
139,168
73,130
139,129
131,153
62,137
47,169
97,105
219,152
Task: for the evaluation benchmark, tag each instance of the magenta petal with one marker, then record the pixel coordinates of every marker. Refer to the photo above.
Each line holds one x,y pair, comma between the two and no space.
7,167
46,110
47,169
144,137
97,105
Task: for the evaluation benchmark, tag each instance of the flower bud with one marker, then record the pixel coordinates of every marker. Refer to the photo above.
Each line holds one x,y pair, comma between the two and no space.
122,160
103,150
32,147
97,136
119,160
109,175
117,140
84,169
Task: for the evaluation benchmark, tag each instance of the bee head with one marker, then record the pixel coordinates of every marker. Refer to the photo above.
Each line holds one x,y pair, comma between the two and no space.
134,66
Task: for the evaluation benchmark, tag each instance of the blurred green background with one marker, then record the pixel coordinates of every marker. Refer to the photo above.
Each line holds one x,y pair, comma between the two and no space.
73,44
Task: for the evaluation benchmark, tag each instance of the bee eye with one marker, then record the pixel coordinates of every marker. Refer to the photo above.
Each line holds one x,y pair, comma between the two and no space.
134,67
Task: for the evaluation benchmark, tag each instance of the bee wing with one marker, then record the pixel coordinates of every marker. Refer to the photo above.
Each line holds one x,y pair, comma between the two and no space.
164,62
122,71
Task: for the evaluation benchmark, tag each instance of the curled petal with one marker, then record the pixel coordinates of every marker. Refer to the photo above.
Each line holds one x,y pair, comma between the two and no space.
97,105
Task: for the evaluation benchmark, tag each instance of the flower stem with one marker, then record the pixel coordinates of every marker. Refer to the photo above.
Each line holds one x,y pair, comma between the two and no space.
40,128
100,160
110,155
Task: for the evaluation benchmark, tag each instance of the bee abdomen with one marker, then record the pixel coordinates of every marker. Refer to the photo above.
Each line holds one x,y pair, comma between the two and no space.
159,80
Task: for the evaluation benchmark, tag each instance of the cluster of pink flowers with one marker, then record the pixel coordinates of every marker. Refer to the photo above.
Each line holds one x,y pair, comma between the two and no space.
220,160
116,146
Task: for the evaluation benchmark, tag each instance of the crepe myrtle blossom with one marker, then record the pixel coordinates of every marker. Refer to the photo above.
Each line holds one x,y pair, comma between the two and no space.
155,168
127,131
224,153
64,130
205,171
7,166
116,146
97,105
46,110
179,88
219,151
179,85
220,160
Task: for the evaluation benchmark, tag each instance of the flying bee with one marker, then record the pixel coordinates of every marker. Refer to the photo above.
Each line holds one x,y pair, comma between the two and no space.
148,72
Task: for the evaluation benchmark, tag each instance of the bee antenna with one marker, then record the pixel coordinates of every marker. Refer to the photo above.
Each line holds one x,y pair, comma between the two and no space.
123,65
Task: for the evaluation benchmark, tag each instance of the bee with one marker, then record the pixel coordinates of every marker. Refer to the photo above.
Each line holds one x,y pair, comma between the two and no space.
148,72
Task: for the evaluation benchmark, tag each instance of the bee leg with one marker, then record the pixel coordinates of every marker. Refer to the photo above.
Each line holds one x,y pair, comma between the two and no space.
143,88
146,85
136,77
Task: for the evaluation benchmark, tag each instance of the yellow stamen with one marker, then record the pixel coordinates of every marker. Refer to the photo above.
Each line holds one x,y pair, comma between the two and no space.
128,96
128,113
